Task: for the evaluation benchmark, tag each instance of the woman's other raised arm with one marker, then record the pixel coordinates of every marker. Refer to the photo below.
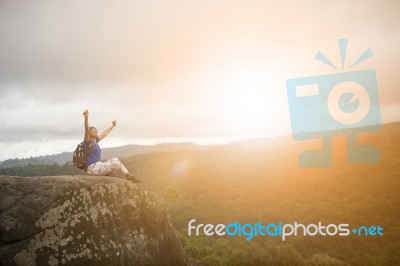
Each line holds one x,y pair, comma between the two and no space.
105,132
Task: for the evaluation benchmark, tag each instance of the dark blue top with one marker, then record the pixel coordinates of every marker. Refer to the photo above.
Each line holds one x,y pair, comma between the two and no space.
94,155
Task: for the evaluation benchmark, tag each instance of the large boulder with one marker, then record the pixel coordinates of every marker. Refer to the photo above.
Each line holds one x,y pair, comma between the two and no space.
84,220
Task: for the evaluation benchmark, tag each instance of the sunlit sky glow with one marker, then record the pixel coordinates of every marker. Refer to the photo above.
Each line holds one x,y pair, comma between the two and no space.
203,71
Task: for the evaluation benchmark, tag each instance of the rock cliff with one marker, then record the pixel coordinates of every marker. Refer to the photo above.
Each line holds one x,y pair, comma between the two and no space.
84,220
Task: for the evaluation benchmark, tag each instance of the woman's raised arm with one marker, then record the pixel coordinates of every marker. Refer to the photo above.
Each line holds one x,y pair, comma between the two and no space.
87,131
105,132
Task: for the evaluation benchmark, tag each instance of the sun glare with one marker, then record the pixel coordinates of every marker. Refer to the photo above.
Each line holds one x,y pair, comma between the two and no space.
246,102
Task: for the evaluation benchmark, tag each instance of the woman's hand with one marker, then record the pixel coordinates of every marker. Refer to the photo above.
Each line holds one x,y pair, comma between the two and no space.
114,123
86,113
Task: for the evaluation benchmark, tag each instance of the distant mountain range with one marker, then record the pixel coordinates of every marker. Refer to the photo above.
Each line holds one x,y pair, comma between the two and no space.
107,153
132,150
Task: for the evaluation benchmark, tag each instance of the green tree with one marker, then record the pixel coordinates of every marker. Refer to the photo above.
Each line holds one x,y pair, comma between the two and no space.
171,194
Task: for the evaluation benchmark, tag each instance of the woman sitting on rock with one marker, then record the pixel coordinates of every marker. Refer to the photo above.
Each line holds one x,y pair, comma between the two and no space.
93,164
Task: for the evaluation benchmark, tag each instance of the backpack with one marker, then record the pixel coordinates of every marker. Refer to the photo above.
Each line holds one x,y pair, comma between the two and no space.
79,157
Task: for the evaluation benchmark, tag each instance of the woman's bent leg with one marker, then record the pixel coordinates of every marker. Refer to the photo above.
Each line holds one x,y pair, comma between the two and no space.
115,164
107,167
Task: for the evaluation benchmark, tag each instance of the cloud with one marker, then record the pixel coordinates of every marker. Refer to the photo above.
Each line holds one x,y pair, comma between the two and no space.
150,41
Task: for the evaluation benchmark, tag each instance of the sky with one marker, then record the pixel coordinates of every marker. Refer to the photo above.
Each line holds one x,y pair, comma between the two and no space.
206,71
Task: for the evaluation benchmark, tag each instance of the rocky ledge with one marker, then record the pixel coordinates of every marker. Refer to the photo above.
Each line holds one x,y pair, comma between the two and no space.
84,220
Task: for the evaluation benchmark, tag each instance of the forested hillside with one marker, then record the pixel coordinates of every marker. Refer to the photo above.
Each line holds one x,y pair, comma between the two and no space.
229,184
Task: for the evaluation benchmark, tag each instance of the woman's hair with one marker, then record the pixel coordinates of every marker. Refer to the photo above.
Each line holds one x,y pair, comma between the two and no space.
90,128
